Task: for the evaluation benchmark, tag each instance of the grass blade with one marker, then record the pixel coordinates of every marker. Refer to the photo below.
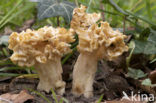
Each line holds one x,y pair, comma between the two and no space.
15,15
11,11
141,18
109,12
9,75
128,59
148,7
54,96
154,60
39,94
116,7
7,62
63,99
90,2
28,76
10,68
100,99
6,53
68,56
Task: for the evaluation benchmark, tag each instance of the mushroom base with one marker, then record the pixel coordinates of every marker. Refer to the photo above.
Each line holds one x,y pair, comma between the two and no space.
50,76
83,75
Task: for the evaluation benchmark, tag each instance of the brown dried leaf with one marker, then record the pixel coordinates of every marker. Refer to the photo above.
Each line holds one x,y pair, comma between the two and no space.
17,98
152,76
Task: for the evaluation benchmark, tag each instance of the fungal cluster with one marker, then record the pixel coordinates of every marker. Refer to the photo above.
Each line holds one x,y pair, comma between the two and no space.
43,49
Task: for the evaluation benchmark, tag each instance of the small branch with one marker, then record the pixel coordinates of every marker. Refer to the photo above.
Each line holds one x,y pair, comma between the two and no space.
124,24
76,2
58,21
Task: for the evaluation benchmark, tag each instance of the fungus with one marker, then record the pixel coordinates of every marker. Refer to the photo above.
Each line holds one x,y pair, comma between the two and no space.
95,43
82,20
43,49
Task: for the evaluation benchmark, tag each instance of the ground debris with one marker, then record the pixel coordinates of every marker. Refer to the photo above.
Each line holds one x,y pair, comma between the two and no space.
16,98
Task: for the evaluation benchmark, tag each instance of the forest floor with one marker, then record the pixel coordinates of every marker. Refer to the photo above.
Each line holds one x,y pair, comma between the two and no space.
110,83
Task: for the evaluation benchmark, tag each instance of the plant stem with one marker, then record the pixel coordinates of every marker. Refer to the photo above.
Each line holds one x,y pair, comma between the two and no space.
128,59
68,56
124,24
90,2
76,2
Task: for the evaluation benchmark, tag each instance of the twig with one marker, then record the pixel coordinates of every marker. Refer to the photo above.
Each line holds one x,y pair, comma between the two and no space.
58,21
102,13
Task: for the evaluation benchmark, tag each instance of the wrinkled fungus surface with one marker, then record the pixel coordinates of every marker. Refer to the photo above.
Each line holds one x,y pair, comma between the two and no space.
33,46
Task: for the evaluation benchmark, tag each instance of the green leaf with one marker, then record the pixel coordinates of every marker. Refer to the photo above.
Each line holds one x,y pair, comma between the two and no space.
152,36
145,33
147,42
135,73
147,82
139,46
145,47
4,39
150,48
54,8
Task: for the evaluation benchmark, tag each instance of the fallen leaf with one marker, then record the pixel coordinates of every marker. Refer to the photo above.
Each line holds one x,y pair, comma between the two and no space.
16,98
4,39
152,76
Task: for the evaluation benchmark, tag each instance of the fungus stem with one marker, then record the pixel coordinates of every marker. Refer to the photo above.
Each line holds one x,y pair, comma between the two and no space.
50,76
83,75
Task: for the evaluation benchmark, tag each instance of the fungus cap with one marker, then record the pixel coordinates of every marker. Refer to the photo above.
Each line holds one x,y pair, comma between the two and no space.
31,47
102,40
83,20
